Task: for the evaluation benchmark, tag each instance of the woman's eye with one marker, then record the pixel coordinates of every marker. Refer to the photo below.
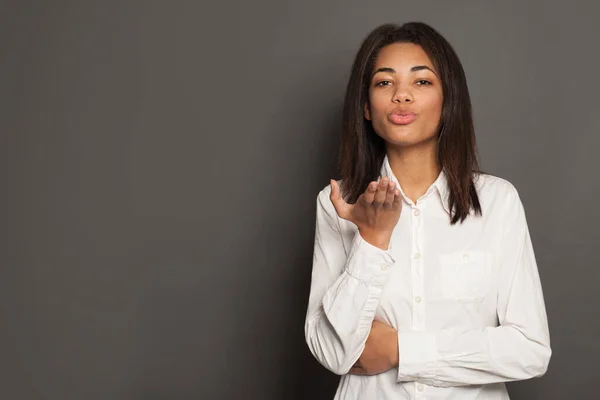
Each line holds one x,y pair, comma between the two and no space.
382,83
423,82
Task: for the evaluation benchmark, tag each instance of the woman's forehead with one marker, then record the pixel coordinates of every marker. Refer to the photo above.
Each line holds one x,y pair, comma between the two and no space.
405,55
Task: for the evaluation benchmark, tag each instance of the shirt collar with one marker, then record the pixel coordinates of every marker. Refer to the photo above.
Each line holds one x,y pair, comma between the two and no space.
440,184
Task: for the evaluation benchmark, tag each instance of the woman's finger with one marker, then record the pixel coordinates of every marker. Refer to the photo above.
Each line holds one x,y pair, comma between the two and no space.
390,195
397,200
340,205
369,195
381,191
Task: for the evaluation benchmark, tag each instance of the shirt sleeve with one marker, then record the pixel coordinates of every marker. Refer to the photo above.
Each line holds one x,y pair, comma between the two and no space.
344,293
517,349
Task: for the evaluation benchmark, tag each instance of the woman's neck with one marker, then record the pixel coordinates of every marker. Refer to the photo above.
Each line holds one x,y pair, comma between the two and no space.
416,167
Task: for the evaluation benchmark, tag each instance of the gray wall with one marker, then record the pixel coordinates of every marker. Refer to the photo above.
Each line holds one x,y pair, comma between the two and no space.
160,162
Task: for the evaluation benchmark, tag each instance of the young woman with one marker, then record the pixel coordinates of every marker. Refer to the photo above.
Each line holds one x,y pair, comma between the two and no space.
424,282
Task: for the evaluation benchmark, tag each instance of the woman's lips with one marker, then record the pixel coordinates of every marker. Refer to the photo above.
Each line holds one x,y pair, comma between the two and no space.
402,119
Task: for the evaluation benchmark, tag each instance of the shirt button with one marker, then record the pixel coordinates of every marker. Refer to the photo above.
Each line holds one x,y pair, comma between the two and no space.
417,256
465,256
416,212
420,388
417,299
384,267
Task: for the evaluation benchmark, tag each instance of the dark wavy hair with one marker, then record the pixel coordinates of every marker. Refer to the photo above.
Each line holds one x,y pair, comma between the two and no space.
362,151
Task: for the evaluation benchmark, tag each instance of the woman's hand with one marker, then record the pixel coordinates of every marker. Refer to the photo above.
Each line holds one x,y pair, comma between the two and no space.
375,213
380,353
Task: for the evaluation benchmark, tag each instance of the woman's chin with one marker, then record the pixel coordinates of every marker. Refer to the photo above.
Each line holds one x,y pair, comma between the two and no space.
408,139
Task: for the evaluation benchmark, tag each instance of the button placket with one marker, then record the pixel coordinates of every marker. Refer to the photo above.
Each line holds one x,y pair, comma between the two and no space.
417,271
419,391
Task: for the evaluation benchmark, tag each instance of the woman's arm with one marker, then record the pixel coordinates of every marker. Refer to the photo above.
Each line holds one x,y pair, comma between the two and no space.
344,293
517,349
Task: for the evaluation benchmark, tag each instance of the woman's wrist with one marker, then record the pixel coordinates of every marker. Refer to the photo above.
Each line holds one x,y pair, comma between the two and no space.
376,238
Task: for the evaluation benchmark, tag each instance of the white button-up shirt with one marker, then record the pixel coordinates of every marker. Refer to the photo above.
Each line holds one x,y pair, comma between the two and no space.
466,299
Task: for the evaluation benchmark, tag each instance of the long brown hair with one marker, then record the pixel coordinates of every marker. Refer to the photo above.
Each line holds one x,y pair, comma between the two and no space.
362,151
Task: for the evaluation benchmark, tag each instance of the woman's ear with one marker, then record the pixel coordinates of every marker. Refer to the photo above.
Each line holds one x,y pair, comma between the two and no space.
367,111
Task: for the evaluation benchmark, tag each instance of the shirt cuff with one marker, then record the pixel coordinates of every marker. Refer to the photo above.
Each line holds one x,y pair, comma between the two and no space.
417,355
369,263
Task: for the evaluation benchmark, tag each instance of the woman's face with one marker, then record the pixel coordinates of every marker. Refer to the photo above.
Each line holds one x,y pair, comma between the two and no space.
405,96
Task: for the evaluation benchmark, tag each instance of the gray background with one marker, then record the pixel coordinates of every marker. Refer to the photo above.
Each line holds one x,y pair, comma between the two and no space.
160,162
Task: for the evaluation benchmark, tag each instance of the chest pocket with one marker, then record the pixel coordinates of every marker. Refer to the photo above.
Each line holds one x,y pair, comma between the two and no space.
465,276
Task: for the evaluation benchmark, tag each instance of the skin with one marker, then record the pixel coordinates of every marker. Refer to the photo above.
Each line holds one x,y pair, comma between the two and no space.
406,79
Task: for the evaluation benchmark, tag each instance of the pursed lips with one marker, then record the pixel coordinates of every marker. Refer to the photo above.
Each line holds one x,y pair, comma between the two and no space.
402,117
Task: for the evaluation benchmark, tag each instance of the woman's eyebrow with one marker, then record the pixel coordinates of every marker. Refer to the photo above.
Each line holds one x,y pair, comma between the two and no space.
393,71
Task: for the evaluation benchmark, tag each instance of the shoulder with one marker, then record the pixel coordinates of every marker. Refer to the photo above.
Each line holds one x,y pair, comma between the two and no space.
493,187
500,197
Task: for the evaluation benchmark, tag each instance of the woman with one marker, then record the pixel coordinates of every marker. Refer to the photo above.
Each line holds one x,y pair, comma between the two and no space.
424,281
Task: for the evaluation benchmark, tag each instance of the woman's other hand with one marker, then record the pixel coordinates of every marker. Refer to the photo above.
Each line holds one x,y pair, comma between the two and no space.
380,353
